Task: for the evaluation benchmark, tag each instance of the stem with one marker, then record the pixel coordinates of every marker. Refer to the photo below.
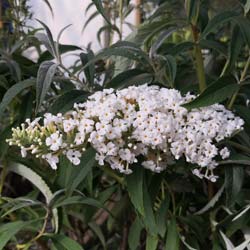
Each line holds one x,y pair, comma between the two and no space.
200,70
242,78
138,14
107,33
121,17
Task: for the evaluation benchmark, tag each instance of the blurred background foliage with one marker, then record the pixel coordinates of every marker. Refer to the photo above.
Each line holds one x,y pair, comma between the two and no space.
193,46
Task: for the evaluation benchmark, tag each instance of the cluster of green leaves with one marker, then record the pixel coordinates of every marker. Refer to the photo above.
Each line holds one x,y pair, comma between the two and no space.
191,47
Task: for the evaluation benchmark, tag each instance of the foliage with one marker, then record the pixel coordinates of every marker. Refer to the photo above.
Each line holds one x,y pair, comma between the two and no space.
200,47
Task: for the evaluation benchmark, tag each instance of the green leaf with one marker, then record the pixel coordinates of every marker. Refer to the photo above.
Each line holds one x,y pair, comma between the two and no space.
42,38
234,177
135,189
8,230
130,77
38,182
50,38
192,9
160,40
244,24
66,101
45,75
236,159
57,45
161,217
87,163
99,6
179,48
149,217
20,204
152,242
49,6
65,242
107,28
134,234
74,200
234,49
91,17
13,91
14,69
123,49
218,20
216,92
171,68
90,70
63,48
172,241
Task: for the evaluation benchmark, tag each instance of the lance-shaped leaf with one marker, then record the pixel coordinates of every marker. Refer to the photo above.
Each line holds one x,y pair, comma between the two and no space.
234,49
217,21
244,24
90,70
63,242
234,177
172,242
9,230
216,92
135,189
192,9
38,182
124,49
50,39
134,234
160,40
66,101
45,75
100,8
13,91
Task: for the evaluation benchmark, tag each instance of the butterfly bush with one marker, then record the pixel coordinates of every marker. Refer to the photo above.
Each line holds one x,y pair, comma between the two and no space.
145,123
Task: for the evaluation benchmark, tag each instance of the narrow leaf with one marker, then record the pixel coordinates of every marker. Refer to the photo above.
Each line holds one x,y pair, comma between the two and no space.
45,75
87,162
66,101
50,37
37,181
152,242
65,242
216,92
99,6
135,189
172,242
13,91
160,40
218,20
134,234
8,230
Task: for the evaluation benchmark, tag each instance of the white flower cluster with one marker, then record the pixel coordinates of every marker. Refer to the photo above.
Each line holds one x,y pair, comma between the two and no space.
145,123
